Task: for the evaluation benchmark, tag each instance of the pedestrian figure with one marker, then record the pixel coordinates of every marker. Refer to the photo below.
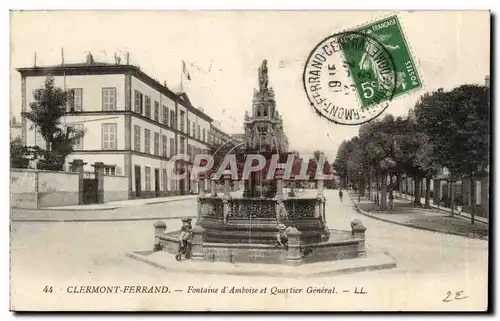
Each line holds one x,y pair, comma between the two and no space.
341,194
282,236
391,199
184,239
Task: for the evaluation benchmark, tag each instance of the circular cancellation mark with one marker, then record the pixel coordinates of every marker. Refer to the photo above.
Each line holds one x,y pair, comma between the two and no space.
349,78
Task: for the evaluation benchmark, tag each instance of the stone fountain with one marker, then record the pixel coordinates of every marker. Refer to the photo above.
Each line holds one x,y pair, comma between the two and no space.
243,229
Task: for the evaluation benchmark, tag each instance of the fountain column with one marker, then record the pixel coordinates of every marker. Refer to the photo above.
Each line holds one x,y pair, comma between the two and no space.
291,193
227,196
227,181
201,183
279,183
320,210
213,191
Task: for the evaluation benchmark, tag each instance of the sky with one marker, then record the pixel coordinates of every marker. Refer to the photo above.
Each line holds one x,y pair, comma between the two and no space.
223,50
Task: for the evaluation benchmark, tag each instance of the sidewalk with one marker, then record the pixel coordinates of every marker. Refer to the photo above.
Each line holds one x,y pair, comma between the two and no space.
120,204
405,214
444,209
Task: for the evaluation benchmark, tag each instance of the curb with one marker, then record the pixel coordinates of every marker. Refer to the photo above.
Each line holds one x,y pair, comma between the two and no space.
389,263
97,209
103,219
414,226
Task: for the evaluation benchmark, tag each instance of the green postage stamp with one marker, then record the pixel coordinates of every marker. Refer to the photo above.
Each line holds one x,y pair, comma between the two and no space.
351,77
388,33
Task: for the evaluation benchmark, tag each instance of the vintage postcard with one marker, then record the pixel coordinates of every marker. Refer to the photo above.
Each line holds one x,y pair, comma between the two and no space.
250,160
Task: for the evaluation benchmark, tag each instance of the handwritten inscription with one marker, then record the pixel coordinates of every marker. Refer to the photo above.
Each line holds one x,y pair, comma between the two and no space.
454,296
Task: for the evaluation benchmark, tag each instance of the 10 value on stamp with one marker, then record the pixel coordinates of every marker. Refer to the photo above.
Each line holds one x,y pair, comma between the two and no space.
351,77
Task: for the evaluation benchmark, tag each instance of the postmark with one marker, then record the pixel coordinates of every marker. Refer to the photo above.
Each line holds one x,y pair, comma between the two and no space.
350,77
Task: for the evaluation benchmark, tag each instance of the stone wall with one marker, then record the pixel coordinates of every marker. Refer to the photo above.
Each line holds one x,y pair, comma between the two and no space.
115,188
57,188
37,188
23,188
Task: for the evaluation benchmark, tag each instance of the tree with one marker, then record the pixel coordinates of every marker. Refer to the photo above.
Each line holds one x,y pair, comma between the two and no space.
46,114
19,154
457,122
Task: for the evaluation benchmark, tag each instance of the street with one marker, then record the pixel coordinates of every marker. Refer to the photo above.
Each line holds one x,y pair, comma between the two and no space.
93,253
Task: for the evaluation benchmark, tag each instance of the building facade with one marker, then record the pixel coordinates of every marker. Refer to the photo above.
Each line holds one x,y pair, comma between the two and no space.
132,123
217,136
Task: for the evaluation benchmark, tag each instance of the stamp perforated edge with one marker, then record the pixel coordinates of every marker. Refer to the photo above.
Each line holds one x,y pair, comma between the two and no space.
408,45
412,56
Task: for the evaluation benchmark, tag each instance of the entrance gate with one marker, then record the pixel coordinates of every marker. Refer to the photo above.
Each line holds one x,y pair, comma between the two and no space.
89,188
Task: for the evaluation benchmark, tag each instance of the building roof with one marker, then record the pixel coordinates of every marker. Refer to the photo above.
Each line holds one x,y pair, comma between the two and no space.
103,68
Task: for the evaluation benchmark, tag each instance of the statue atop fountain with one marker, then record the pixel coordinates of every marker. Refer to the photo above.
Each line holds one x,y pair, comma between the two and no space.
263,77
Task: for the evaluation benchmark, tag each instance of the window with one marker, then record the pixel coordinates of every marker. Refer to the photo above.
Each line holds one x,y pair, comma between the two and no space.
199,132
182,147
164,146
147,141
148,107
109,170
172,119
79,144
156,147
165,115
109,99
137,138
172,147
108,136
182,121
204,135
147,178
75,99
138,102
164,178
188,127
157,111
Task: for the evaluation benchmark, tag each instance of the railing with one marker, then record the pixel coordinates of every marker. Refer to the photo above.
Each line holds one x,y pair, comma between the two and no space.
300,208
258,208
89,175
253,208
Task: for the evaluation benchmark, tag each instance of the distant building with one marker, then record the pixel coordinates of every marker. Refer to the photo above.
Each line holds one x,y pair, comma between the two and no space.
133,123
218,136
487,81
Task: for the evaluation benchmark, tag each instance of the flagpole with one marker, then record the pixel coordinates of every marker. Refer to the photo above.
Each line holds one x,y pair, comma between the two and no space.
182,71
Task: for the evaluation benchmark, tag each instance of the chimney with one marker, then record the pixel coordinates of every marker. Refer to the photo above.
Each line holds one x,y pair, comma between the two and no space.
89,59
118,59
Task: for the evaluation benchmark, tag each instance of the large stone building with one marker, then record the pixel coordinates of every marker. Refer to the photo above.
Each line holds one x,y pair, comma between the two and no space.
133,124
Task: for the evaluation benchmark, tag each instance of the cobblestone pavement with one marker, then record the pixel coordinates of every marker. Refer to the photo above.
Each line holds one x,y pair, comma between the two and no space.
64,254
